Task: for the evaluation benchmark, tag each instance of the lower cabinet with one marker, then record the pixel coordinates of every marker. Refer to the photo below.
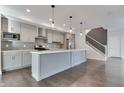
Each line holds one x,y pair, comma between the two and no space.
26,59
12,61
16,60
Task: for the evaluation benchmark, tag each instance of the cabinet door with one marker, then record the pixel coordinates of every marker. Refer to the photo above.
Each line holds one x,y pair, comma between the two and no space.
62,38
13,26
28,32
49,36
4,24
7,62
26,59
58,36
55,36
11,62
17,62
44,32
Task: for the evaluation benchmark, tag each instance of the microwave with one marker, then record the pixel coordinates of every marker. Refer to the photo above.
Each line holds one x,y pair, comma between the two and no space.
10,36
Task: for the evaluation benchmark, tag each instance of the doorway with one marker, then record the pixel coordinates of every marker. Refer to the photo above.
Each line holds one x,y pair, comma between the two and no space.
115,46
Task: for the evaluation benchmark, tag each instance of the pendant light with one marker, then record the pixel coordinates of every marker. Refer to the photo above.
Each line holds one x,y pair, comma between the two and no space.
53,20
81,28
70,30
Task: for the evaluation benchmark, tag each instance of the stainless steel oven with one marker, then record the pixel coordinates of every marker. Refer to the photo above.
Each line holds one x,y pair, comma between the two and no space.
10,36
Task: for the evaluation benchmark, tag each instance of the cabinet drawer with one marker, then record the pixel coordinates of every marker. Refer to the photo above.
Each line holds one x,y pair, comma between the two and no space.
11,53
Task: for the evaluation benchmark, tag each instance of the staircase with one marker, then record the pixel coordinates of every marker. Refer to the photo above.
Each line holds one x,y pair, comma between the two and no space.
96,44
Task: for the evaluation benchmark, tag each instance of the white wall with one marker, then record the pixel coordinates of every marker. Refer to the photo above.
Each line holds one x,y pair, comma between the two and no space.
80,40
94,54
116,33
90,53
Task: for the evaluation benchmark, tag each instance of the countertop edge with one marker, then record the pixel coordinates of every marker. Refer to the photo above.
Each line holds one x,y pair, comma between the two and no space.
55,51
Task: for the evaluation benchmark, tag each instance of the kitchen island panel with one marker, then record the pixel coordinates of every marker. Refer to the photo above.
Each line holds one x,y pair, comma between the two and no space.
48,63
54,63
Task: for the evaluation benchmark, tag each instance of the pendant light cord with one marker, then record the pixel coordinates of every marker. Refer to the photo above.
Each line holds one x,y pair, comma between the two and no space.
53,15
53,6
70,22
81,26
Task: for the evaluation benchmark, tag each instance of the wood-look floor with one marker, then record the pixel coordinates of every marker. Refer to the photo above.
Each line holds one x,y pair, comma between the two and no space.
93,73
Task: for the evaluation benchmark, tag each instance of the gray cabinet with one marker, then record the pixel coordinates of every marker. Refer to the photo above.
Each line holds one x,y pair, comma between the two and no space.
28,32
16,60
55,36
13,26
4,24
49,36
62,38
26,59
12,61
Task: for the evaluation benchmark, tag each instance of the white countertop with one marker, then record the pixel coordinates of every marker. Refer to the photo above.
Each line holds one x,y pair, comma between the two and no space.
6,52
18,50
55,51
42,52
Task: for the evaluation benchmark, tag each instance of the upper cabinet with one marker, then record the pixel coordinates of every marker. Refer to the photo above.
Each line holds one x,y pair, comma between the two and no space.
8,25
62,38
55,36
28,32
50,36
4,24
13,26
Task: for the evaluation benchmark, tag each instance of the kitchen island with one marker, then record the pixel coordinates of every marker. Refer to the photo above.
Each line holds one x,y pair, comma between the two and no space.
50,62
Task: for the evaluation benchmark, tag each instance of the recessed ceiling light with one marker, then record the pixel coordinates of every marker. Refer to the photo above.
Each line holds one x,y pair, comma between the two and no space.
28,10
64,25
50,19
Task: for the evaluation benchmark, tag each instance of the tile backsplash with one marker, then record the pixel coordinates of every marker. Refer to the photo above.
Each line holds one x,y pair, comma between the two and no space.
10,45
47,45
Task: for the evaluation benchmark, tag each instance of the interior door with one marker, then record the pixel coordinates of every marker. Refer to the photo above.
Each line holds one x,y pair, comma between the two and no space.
115,46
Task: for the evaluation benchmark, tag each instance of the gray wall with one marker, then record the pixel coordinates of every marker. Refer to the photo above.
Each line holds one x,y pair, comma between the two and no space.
99,34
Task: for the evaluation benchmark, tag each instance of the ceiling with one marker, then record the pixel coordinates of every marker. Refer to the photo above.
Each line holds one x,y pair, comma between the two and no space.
110,17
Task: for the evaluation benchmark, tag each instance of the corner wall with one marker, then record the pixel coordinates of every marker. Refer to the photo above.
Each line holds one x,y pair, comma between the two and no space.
116,33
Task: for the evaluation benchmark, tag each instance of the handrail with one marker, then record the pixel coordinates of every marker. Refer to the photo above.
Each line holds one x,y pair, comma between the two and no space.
96,41
95,48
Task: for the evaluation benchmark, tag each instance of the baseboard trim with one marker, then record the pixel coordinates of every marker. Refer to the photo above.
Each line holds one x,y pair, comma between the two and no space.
97,59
